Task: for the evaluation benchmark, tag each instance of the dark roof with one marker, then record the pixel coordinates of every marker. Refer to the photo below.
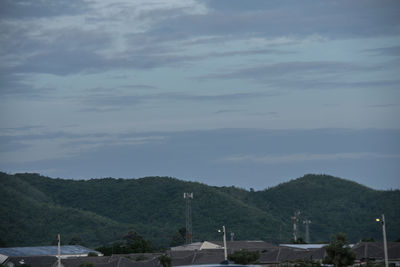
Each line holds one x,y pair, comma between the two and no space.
208,257
34,261
45,251
114,261
76,261
284,254
211,256
249,245
133,256
374,250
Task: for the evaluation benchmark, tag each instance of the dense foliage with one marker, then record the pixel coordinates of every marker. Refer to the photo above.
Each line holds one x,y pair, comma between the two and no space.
339,252
165,260
99,212
133,243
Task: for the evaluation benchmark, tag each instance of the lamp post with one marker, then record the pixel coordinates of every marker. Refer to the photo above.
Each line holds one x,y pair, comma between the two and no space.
224,238
384,238
59,251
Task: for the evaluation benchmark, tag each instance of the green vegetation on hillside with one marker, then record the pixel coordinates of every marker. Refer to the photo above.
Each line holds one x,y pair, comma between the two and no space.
99,212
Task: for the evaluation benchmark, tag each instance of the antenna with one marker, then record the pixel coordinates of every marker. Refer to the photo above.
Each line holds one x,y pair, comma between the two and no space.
307,223
189,235
295,218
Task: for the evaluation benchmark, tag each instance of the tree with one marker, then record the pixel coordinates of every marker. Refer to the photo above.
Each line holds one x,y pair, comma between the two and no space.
165,260
244,256
338,251
178,238
136,244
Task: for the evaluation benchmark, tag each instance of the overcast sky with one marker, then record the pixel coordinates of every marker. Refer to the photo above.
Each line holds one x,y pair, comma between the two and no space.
226,92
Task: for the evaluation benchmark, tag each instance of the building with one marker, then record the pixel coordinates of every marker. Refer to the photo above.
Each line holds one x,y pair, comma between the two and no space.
41,256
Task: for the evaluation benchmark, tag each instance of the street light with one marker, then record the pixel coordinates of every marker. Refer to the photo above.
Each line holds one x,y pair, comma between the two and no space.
224,238
382,221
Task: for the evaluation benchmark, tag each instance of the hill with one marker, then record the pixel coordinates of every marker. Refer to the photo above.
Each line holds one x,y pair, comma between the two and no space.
333,205
35,208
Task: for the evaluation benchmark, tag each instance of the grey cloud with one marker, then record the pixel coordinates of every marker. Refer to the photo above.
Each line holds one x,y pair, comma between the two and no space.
294,158
111,102
139,86
384,106
322,84
305,68
42,8
72,50
222,111
388,51
17,85
277,18
309,75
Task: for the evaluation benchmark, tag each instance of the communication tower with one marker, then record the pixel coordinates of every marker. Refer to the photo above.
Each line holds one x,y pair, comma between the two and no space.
188,197
295,219
307,223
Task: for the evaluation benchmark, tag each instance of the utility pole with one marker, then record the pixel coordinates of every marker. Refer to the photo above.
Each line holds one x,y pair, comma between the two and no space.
189,236
224,239
307,223
59,251
384,238
295,218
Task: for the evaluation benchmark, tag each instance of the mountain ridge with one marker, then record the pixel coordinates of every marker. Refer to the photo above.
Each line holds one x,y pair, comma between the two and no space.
154,207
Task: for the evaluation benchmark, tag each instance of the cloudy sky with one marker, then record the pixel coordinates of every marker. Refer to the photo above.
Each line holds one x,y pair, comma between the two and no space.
226,92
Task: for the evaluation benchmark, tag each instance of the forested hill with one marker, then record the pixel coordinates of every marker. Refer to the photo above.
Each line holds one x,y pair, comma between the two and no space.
99,211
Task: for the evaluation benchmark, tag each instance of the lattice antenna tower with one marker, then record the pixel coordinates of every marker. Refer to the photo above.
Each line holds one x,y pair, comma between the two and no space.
307,223
188,197
295,218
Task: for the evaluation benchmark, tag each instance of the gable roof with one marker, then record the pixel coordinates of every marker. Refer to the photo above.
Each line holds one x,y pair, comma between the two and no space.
284,254
374,250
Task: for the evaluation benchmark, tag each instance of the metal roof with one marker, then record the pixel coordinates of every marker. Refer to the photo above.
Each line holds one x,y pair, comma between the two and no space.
45,251
3,258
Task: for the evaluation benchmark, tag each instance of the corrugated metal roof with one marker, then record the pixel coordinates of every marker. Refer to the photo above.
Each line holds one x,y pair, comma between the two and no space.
3,258
45,251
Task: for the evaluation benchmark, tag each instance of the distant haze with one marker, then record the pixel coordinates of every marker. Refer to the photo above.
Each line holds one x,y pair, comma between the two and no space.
225,92
242,157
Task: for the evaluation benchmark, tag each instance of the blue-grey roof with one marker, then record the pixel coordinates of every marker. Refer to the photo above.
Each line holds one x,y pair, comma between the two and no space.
45,251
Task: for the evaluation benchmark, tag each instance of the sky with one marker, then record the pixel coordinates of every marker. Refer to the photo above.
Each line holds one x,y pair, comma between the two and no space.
224,92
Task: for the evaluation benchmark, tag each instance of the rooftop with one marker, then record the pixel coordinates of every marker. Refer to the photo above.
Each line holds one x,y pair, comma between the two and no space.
45,251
